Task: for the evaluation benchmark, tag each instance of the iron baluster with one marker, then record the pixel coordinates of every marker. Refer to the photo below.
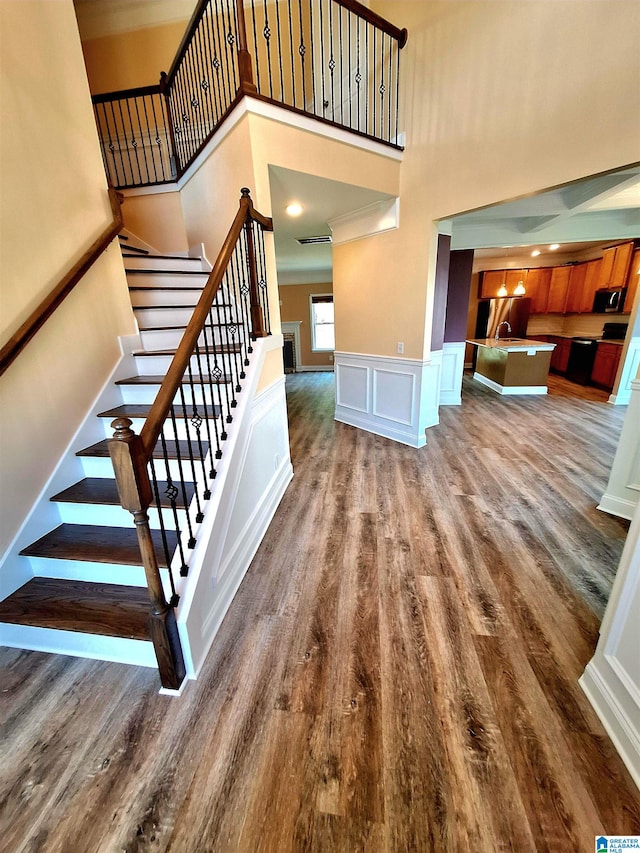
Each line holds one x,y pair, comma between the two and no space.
292,52
280,56
172,493
163,531
266,33
218,355
301,52
211,378
325,103
332,63
191,456
349,71
341,47
208,63
207,417
313,70
238,304
366,77
262,282
232,326
185,500
231,41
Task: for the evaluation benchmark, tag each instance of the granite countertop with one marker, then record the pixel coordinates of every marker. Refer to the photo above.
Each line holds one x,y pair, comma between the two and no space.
513,344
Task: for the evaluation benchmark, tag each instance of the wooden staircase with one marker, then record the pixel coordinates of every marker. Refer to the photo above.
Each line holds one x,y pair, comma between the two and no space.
94,530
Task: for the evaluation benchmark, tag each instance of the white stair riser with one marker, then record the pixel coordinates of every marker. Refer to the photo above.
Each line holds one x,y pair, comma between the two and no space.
114,516
159,279
181,431
158,339
99,467
163,296
158,315
150,262
154,365
148,393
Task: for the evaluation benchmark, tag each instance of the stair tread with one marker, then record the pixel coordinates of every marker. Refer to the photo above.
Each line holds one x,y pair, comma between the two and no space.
169,272
162,307
96,490
137,250
96,544
166,257
158,379
100,449
150,352
105,609
141,410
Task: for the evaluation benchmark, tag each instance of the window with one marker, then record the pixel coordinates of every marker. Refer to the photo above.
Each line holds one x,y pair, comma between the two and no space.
322,323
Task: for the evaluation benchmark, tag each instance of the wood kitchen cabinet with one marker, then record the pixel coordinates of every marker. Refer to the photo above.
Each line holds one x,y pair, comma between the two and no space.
633,279
560,355
605,366
576,287
558,290
492,280
591,284
615,266
537,284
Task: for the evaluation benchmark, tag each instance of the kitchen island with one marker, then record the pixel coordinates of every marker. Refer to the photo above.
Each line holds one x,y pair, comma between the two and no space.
513,365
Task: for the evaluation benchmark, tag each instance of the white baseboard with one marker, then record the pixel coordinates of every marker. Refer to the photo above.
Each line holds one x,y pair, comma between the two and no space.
623,730
509,390
451,374
314,368
76,644
618,506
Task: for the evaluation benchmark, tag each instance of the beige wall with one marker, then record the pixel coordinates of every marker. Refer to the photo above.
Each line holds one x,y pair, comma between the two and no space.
54,205
295,305
129,60
499,100
156,219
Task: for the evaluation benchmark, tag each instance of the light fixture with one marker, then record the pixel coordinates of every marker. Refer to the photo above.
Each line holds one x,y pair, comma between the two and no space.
294,209
502,290
520,289
554,246
535,253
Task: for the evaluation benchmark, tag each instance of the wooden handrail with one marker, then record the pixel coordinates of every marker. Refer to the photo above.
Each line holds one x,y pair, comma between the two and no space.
378,21
138,92
173,379
198,12
18,341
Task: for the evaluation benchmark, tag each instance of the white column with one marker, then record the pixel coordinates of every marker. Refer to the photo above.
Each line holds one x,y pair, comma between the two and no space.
623,489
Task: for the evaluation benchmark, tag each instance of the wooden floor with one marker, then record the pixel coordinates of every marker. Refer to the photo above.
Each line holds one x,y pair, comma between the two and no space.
397,673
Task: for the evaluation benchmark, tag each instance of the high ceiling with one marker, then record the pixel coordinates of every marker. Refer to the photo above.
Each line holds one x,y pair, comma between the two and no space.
97,18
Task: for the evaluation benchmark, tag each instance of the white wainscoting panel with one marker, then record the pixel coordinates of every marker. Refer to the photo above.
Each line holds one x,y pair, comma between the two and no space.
629,373
451,376
623,489
393,397
612,677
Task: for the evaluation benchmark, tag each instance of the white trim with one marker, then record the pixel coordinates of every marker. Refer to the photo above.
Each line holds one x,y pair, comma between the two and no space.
292,327
393,397
628,373
508,390
451,373
372,219
79,645
314,368
313,324
619,725
616,505
251,106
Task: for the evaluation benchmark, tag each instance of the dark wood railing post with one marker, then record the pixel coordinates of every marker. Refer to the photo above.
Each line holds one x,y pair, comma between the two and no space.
247,86
165,89
129,463
258,329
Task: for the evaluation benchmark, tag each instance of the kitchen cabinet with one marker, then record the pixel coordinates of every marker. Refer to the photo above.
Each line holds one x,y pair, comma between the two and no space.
492,280
537,284
605,366
591,284
558,289
615,266
576,287
633,279
560,356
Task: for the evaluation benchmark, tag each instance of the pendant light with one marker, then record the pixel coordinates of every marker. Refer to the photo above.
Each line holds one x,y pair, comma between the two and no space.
520,289
502,290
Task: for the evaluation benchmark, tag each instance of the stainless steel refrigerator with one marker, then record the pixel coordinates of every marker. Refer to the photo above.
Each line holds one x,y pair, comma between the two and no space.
514,310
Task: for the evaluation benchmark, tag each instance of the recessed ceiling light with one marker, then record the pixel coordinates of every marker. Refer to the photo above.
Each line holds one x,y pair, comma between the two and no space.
554,246
535,253
294,209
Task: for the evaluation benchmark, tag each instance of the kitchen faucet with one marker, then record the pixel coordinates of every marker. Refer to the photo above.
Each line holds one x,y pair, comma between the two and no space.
504,323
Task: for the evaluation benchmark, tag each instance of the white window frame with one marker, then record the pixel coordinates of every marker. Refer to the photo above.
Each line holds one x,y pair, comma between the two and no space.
324,296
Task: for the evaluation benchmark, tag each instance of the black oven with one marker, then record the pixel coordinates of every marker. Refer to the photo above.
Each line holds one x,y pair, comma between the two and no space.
609,301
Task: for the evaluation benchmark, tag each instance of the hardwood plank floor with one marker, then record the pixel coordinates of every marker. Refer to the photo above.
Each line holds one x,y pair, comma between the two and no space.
398,671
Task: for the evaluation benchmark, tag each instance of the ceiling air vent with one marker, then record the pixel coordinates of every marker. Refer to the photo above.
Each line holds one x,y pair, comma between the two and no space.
311,241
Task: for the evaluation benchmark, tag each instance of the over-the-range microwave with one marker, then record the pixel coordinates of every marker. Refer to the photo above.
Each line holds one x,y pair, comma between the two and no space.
609,301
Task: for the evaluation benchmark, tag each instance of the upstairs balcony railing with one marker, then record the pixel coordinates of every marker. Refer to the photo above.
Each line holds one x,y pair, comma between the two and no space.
335,60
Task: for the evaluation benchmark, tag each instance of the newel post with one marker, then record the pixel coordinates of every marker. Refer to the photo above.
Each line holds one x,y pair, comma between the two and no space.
258,329
165,89
247,86
134,488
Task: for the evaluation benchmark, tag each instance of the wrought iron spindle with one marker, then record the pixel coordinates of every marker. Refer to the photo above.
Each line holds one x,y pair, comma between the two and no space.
168,554
261,262
213,380
208,410
238,304
172,493
233,331
226,347
280,54
292,55
219,370
181,478
191,455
